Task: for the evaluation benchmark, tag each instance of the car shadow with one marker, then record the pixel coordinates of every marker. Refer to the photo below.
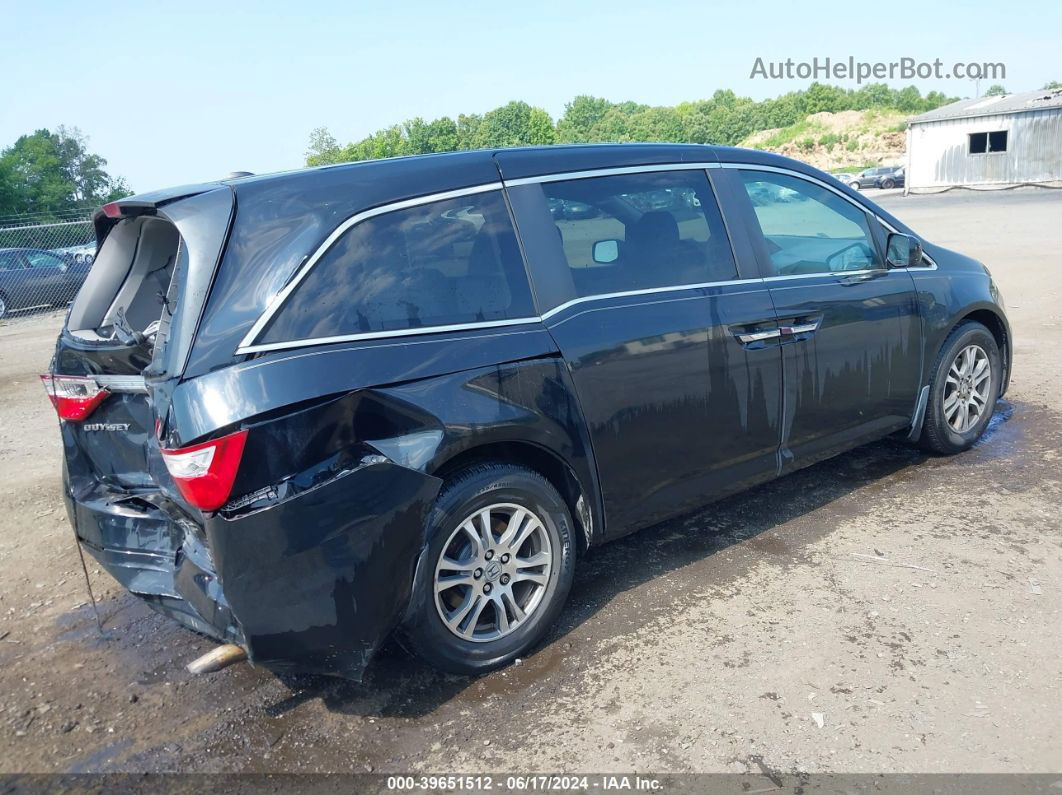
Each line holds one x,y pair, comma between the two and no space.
396,684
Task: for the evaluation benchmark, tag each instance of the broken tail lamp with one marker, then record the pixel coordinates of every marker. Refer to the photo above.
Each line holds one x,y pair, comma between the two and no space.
74,397
204,473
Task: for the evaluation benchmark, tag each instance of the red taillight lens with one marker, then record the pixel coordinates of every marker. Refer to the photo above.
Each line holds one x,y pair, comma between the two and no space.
74,397
205,472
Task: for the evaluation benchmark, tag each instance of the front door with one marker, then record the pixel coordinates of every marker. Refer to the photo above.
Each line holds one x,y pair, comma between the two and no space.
637,283
849,327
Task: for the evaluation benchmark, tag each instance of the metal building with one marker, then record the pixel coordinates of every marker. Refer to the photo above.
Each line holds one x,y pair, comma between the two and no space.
989,141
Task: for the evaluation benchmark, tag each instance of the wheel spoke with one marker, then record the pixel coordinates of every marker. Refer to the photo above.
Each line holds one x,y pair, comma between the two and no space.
518,613
469,530
516,521
486,537
455,618
449,564
530,576
477,611
446,583
522,536
500,614
950,405
538,559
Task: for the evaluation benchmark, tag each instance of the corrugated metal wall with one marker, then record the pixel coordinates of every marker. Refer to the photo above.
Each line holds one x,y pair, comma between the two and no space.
938,151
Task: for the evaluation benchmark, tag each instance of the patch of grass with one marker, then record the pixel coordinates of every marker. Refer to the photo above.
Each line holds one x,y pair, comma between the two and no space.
857,169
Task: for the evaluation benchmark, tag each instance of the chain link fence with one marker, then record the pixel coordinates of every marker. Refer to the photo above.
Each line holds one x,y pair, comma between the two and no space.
43,264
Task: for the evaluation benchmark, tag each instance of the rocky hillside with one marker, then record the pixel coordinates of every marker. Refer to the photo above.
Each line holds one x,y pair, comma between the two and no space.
845,141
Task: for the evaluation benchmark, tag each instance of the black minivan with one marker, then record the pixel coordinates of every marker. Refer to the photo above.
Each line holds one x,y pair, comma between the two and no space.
306,411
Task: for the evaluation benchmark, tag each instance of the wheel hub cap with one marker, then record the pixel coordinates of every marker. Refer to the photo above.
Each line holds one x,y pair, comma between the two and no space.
493,572
966,388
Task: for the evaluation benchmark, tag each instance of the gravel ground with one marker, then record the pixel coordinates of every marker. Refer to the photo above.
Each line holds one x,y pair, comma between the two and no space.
759,635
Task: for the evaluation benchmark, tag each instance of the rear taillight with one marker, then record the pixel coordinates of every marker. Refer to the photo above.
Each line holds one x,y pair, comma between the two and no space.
74,396
204,473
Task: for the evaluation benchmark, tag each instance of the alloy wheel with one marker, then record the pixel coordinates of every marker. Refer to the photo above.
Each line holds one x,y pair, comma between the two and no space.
966,388
493,572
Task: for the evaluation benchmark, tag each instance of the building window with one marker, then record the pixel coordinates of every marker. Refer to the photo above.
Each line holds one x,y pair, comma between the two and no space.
985,142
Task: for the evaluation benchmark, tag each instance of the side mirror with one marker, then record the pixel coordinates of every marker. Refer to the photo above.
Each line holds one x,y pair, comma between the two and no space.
606,251
903,251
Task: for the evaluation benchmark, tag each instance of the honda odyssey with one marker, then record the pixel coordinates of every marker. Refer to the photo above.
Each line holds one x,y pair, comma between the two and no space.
304,412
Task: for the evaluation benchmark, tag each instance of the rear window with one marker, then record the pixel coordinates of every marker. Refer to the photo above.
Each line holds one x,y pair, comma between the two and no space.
438,264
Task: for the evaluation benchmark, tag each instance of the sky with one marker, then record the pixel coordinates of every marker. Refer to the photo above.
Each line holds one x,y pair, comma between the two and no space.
181,91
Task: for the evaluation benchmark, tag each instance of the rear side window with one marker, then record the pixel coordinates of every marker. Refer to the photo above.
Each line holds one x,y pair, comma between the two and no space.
640,231
438,264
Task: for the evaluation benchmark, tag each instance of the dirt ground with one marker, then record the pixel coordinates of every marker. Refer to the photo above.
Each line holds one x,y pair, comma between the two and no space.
758,635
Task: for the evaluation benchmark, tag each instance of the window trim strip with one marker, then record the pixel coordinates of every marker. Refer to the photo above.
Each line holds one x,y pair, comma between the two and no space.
608,172
374,335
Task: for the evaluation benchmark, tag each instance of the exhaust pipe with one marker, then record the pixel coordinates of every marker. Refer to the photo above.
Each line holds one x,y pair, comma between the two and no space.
216,659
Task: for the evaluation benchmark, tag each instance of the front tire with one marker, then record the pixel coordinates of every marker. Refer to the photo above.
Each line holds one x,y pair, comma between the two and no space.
496,572
964,390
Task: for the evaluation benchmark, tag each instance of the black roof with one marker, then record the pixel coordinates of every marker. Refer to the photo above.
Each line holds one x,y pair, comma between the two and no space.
436,172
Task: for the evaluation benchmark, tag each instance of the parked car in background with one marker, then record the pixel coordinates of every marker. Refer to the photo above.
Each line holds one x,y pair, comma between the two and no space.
875,177
405,395
894,179
847,177
81,255
33,277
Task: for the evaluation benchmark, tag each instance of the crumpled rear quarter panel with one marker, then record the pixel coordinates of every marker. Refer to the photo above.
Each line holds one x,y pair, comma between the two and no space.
319,581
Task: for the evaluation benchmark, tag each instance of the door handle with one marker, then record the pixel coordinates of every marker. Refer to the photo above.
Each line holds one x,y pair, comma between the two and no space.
799,328
757,336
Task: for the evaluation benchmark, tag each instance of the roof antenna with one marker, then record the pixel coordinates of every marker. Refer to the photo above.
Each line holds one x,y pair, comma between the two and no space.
238,174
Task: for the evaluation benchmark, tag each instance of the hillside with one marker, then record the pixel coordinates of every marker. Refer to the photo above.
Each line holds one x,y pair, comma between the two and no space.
844,141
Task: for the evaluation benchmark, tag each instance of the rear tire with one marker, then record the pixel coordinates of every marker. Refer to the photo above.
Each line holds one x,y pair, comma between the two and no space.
964,390
3,305
887,184
478,602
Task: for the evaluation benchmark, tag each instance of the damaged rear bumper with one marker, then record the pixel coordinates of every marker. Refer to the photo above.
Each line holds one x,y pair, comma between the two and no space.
313,582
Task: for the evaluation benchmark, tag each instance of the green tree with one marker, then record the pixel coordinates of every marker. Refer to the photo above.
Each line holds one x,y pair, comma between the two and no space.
514,124
724,119
996,91
540,129
1052,85
468,130
323,149
819,98
580,116
51,172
